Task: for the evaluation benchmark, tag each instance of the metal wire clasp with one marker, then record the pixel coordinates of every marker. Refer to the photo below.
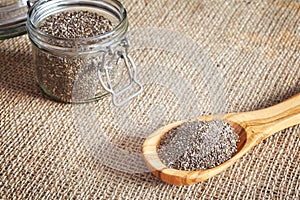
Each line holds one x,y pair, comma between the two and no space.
105,67
30,3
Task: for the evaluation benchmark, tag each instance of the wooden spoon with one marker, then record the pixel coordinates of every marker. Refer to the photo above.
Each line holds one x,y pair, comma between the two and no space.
252,128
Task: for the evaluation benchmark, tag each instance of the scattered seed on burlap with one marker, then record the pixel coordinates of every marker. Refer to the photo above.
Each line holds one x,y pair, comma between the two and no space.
196,145
76,24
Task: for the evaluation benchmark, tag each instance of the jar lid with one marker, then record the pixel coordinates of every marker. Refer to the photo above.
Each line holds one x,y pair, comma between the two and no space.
13,18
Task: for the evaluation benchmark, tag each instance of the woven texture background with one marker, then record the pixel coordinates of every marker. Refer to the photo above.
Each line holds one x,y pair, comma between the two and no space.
253,45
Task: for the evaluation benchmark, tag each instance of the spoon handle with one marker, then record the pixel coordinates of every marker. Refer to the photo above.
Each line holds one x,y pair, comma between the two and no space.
263,123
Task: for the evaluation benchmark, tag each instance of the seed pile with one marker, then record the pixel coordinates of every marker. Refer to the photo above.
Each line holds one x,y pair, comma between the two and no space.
76,24
71,78
198,145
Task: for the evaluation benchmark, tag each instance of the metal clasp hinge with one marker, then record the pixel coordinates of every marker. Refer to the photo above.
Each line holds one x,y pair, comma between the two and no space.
131,71
30,3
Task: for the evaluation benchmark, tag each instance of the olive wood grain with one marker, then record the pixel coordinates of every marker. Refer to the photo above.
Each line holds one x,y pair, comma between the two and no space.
252,127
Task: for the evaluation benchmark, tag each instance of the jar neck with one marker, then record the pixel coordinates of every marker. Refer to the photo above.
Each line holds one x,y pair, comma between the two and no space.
39,11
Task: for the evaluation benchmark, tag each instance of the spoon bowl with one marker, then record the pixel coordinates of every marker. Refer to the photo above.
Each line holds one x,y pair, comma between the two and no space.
252,127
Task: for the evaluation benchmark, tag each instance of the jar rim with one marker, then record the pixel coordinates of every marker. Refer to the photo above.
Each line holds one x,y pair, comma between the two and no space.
122,24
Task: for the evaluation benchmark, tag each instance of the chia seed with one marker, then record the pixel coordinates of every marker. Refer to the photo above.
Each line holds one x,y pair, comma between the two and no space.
76,24
197,145
56,73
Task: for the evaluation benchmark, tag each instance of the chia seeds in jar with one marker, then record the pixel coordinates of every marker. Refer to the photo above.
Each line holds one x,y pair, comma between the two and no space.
4,3
13,18
77,46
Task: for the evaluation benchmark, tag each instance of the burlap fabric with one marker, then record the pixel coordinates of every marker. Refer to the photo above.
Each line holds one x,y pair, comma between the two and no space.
50,150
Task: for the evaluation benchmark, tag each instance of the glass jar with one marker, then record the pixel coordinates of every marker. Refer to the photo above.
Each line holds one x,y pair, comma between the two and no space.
82,69
12,18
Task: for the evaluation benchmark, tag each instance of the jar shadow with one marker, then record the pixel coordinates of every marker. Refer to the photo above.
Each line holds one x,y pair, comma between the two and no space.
17,71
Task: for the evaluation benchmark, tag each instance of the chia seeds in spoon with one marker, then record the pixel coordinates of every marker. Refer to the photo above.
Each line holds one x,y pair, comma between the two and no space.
197,145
